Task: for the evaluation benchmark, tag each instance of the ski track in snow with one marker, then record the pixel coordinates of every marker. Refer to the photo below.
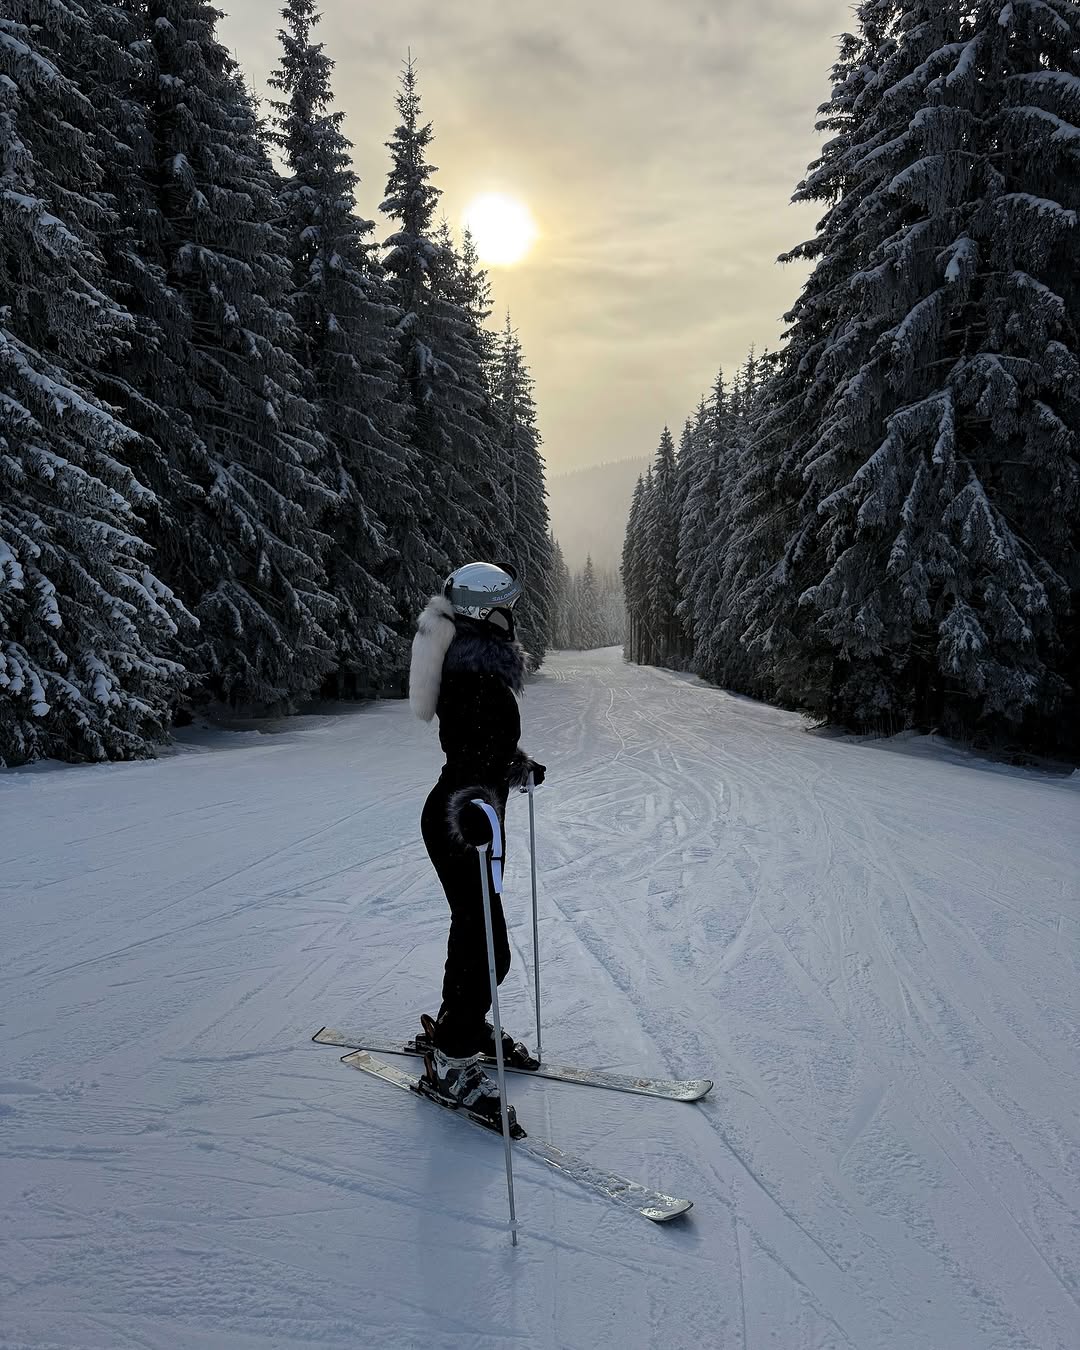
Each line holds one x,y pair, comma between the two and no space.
873,948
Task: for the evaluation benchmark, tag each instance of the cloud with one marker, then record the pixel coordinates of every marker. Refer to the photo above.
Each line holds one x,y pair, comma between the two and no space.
657,141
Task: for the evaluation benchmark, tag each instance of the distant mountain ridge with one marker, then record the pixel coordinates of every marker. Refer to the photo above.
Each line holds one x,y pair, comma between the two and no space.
589,508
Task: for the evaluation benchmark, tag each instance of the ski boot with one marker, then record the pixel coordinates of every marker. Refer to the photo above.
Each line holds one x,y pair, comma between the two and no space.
462,1085
516,1054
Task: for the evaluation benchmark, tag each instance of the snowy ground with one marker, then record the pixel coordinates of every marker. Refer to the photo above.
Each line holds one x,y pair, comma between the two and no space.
873,949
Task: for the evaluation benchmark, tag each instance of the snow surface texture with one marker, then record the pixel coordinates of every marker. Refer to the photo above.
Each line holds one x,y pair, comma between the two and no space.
874,949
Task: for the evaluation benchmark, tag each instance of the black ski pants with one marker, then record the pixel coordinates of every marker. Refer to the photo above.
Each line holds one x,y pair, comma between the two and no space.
466,992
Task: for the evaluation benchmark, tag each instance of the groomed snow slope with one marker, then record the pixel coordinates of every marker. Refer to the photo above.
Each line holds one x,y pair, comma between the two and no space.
873,949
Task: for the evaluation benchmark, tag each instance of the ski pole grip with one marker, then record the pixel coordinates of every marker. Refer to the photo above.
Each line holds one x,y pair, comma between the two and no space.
496,842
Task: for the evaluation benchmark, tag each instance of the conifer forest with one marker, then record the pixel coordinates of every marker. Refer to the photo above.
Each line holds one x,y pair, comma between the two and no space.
246,431
540,675
880,522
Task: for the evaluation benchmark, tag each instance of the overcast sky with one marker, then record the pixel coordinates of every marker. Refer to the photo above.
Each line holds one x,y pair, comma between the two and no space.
657,143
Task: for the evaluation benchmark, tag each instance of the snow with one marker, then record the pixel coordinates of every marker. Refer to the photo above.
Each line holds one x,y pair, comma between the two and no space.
1041,205
964,255
873,947
967,61
1062,130
1063,80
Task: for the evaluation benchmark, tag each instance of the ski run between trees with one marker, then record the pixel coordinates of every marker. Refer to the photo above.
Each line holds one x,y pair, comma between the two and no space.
874,948
246,433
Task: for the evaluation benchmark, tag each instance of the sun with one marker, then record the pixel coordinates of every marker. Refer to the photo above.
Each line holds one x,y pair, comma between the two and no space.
503,228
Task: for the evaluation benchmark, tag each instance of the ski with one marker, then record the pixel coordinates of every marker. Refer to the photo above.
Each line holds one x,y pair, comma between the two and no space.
650,1204
675,1089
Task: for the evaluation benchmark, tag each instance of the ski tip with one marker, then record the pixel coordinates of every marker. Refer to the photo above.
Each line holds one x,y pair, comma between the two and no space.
700,1087
322,1031
664,1213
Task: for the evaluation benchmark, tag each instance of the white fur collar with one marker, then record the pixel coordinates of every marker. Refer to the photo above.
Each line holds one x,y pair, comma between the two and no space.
434,634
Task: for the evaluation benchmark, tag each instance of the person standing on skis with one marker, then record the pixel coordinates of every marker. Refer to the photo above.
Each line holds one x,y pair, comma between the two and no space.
468,670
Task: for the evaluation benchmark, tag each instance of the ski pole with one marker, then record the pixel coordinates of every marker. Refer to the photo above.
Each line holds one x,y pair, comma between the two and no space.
489,933
531,788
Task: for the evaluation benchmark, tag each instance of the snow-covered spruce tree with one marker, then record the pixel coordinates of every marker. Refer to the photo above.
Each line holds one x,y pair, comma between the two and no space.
700,467
142,377
588,608
757,595
633,576
347,343
560,597
462,505
463,293
83,619
517,445
687,466
935,547
661,533
244,552
724,656
473,293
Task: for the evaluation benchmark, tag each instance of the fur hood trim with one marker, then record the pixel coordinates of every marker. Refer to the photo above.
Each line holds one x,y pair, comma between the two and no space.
473,652
434,635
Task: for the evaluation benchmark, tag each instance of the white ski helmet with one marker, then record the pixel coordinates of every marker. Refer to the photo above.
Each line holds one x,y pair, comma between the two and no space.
479,587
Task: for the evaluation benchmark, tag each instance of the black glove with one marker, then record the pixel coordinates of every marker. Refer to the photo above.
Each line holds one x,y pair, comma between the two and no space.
520,768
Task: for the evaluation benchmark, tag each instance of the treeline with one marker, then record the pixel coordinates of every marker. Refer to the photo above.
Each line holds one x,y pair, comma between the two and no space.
588,609
881,524
674,544
243,433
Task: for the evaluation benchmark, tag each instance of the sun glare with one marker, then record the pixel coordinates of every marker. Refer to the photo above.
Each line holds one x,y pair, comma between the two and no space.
502,227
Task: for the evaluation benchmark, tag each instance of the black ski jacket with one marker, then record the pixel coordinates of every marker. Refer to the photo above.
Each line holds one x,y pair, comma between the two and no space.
479,720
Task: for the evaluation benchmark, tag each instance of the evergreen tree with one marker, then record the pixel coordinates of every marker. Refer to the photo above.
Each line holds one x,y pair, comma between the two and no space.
228,441
633,576
756,577
476,298
143,378
463,504
588,608
464,292
345,329
700,464
724,655
661,528
517,445
469,287
83,619
934,548
686,469
560,598
680,541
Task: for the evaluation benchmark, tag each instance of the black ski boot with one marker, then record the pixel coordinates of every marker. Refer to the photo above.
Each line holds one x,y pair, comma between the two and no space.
516,1054
462,1085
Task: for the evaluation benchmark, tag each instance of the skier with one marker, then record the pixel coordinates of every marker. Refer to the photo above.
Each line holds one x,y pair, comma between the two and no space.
468,668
